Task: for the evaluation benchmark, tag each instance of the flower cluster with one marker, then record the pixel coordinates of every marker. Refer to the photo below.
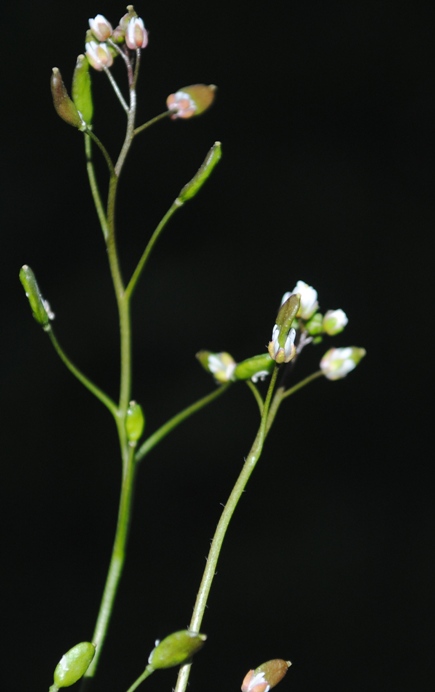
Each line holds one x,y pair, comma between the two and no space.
103,42
307,324
297,324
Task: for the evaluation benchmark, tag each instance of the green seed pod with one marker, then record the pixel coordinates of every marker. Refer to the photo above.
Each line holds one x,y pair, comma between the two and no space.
193,187
82,89
255,368
177,648
73,665
286,315
135,422
40,308
64,106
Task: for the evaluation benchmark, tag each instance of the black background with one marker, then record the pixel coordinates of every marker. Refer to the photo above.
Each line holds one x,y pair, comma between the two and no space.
326,114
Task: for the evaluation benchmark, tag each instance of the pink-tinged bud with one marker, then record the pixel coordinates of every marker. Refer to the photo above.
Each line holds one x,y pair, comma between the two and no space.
266,676
100,27
136,36
99,55
254,682
191,100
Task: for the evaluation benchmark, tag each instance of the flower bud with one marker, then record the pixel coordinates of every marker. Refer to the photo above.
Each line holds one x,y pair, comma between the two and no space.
134,423
255,368
334,322
82,89
40,308
193,186
281,348
221,365
176,649
100,27
309,302
73,665
63,105
191,100
99,55
266,676
338,362
136,36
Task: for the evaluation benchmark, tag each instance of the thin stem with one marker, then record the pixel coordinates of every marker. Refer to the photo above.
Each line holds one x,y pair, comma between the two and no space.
152,241
147,672
122,302
116,562
129,135
93,184
281,394
116,89
103,150
127,452
157,118
171,424
257,395
302,383
221,529
86,382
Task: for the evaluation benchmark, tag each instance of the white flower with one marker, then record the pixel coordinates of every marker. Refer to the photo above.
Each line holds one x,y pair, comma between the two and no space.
338,362
99,55
282,354
136,36
222,365
334,321
309,302
100,27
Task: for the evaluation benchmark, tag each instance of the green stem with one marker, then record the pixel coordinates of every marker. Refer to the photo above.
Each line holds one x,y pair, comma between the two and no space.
257,395
86,382
221,529
103,150
94,187
122,302
157,118
165,429
116,562
147,672
127,452
152,241
302,383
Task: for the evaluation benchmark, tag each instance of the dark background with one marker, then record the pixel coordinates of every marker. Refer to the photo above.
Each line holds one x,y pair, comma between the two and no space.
326,114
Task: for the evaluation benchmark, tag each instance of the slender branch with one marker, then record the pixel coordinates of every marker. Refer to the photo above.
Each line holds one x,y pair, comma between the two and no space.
103,150
257,395
93,184
152,241
156,119
86,382
116,89
221,529
171,424
303,383
147,672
